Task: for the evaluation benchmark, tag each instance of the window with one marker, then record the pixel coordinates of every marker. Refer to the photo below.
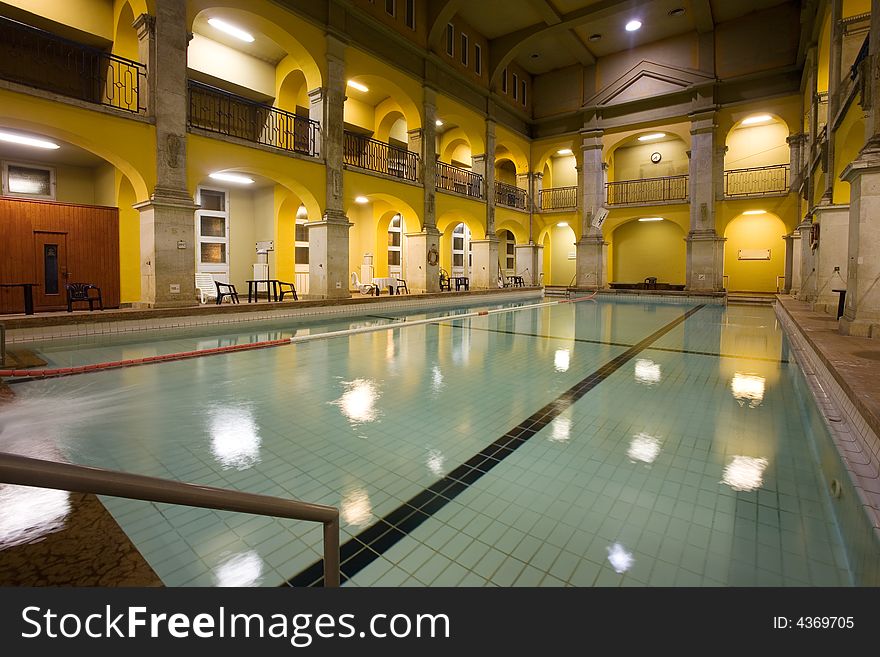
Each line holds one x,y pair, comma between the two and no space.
391,7
395,235
450,40
510,252
464,49
28,180
411,14
478,59
212,233
461,244
515,85
504,81
523,92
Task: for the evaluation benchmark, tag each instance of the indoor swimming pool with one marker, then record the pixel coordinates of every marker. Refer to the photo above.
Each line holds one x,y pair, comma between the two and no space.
598,443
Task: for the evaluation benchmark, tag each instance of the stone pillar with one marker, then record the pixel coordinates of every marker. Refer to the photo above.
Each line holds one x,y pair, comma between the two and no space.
489,178
484,273
328,237
792,263
530,262
705,249
795,159
318,112
423,249
833,98
807,291
537,187
718,168
478,165
167,221
591,178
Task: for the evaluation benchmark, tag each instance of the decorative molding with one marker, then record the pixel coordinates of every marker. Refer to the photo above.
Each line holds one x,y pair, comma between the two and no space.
626,88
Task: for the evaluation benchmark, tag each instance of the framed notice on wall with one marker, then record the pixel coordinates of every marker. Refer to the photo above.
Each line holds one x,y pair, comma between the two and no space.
753,254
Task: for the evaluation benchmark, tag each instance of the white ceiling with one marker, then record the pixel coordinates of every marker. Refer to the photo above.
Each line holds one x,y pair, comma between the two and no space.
262,46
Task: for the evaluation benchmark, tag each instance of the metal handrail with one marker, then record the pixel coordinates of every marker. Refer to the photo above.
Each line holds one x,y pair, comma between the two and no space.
374,155
558,198
26,471
510,196
41,59
455,179
2,345
757,181
647,190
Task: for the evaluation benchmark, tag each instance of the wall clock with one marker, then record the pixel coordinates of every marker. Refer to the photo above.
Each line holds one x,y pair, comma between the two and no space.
655,157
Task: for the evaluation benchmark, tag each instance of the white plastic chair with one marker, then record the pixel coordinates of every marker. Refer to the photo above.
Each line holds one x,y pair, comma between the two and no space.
205,286
363,288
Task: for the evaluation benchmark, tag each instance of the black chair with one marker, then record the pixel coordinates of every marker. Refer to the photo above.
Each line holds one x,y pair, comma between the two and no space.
83,292
651,283
445,281
286,288
226,290
401,285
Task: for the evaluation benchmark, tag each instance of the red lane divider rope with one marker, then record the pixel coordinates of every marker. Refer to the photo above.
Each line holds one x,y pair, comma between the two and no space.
162,358
589,298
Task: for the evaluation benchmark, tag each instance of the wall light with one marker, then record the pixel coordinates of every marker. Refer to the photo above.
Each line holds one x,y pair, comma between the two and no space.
438,123
14,138
361,199
632,26
759,118
755,212
652,136
563,224
564,151
301,212
232,177
651,219
358,86
237,32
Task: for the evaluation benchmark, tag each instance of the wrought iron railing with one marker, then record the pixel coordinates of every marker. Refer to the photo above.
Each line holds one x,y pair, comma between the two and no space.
558,198
510,196
456,179
647,190
373,155
43,60
757,181
219,111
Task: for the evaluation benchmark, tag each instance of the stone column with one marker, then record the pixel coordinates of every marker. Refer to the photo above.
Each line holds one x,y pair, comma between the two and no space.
807,290
718,172
423,249
489,177
862,313
484,273
530,262
590,261
318,112
795,159
792,263
167,221
328,237
537,187
833,98
705,249
478,165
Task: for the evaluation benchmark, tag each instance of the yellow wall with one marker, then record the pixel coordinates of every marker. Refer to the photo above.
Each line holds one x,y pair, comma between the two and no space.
856,7
562,171
93,16
242,253
754,232
129,242
652,248
360,114
849,139
757,146
220,61
558,269
824,54
634,162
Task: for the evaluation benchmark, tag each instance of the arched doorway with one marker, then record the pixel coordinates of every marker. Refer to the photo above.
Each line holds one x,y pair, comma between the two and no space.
462,258
649,247
754,253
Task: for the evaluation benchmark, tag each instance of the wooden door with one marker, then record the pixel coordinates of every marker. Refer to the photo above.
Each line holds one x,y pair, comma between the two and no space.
50,256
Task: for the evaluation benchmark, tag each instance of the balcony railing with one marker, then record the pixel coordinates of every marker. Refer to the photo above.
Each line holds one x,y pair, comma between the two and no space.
40,59
647,190
757,181
218,111
372,155
558,198
510,196
456,179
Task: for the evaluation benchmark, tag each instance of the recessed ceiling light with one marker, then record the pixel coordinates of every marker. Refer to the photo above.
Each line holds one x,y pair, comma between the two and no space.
562,224
14,138
758,118
564,151
595,37
358,86
438,123
237,32
535,55
652,136
755,212
651,219
632,26
678,11
232,177
361,199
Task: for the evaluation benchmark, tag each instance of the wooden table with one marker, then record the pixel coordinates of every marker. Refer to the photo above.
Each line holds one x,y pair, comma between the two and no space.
28,289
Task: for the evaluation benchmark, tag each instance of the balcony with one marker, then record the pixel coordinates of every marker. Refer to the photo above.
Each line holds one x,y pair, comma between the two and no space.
224,113
42,60
757,181
510,196
462,181
372,155
647,191
558,198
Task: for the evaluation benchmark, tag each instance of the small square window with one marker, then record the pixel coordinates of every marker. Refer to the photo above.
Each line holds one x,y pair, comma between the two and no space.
301,255
464,49
411,14
391,7
29,181
523,92
504,81
302,233
450,40
515,85
478,59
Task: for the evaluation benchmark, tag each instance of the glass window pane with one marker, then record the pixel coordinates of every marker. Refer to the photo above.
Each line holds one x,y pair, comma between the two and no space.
457,243
457,259
301,255
394,257
302,233
213,254
212,200
50,268
213,227
24,180
394,238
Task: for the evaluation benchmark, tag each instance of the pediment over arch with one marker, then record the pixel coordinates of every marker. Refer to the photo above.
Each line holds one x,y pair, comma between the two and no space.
647,80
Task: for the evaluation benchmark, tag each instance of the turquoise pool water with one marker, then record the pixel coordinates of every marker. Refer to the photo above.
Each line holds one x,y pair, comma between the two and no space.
630,444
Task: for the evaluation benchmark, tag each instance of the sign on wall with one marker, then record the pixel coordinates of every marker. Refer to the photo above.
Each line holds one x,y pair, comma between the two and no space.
753,254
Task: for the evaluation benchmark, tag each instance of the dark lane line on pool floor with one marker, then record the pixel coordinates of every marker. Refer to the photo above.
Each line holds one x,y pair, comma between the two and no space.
360,551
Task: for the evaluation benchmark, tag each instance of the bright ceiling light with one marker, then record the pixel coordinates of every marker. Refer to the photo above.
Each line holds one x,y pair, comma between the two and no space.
652,136
361,199
759,118
232,177
237,32
651,219
755,212
13,138
632,26
438,123
564,151
562,224
358,86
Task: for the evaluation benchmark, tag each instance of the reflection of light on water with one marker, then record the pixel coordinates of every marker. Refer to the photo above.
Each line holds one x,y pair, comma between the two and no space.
28,513
435,462
245,569
748,388
235,438
644,448
619,558
647,371
745,473
358,402
437,379
355,508
561,430
561,359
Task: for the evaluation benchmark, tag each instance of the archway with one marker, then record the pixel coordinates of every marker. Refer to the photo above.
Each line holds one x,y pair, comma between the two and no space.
560,264
754,253
641,249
